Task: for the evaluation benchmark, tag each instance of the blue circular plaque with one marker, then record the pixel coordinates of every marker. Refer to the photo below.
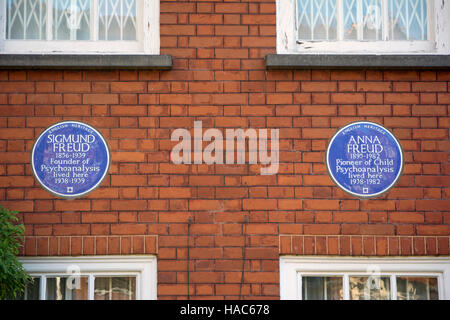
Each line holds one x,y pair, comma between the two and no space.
70,159
364,159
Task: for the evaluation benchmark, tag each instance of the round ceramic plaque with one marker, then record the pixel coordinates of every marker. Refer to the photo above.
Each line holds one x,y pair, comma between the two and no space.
364,159
70,159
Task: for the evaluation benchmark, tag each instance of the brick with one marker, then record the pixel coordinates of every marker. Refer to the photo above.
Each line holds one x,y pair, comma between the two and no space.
406,217
322,229
127,156
374,86
280,98
205,205
99,98
128,228
129,205
258,19
70,230
347,98
288,204
430,133
128,133
319,86
75,205
323,204
319,110
377,229
16,87
433,230
72,86
432,205
350,217
259,204
443,98
175,193
230,30
206,19
401,98
429,86
41,98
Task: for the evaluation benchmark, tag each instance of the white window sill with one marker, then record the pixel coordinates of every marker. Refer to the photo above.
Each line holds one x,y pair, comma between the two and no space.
85,61
355,61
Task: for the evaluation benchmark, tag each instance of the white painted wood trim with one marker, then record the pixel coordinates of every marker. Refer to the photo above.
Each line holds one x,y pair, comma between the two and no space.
2,25
67,46
286,30
49,22
151,13
390,47
442,34
292,266
144,267
94,23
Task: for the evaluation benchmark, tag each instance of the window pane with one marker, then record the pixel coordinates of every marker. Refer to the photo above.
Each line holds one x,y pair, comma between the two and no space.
408,19
115,288
31,291
316,19
369,288
62,288
25,19
362,19
71,19
117,20
417,288
322,288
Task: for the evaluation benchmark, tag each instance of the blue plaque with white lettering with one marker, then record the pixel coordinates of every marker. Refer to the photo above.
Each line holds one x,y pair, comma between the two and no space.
364,159
70,159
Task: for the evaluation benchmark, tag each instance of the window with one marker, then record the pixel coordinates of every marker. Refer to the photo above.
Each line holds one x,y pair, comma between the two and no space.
79,26
363,26
313,278
91,278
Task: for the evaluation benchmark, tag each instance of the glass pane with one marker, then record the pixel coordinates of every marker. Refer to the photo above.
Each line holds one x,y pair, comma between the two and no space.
63,288
317,19
31,291
117,20
408,19
71,19
369,288
322,288
417,288
25,19
115,288
362,19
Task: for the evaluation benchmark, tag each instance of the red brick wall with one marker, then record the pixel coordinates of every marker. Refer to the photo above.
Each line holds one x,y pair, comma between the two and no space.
219,77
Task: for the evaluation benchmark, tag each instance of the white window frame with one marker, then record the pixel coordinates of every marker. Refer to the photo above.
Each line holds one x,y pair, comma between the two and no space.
292,268
148,36
438,35
144,268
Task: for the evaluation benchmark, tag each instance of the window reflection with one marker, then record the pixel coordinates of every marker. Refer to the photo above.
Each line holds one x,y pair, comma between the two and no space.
67,288
117,19
71,19
115,288
322,288
369,288
31,291
417,288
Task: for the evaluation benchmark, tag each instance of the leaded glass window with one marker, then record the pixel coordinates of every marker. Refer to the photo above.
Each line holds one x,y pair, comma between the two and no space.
362,20
79,26
374,287
72,19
